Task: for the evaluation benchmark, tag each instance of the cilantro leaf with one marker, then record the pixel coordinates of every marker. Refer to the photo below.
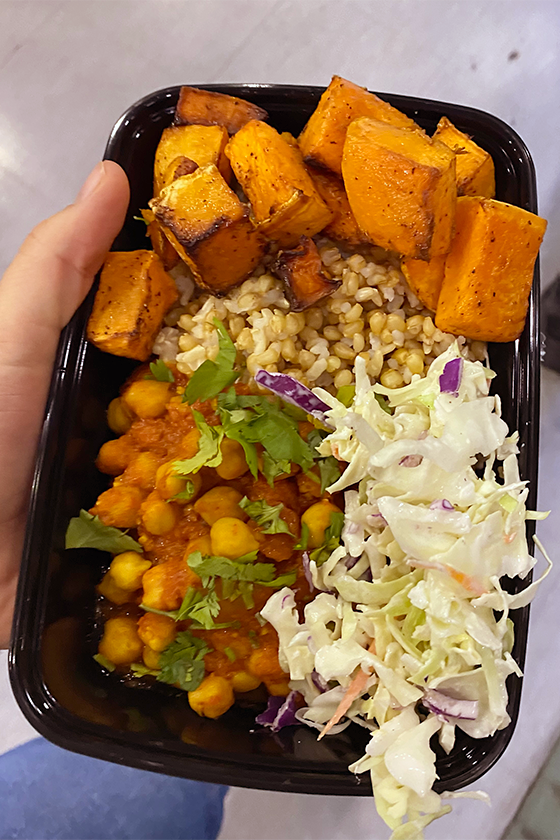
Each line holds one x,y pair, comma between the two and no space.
303,541
209,453
142,671
271,469
384,403
207,567
331,539
197,606
265,515
160,372
104,662
182,662
329,471
187,493
88,531
213,376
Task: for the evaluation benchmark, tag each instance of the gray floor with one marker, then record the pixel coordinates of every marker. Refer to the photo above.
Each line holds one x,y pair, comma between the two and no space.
69,69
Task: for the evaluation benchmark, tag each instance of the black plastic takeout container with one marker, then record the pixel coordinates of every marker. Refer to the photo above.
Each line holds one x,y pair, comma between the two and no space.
63,693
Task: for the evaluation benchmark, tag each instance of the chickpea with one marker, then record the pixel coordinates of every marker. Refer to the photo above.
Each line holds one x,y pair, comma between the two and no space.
121,643
202,544
119,419
280,688
164,586
234,463
109,589
119,506
318,518
263,663
232,538
127,570
158,517
157,631
219,502
189,444
244,681
114,456
169,484
147,397
151,658
213,697
142,470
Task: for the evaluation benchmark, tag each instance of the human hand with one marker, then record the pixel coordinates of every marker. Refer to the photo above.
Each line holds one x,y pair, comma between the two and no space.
39,293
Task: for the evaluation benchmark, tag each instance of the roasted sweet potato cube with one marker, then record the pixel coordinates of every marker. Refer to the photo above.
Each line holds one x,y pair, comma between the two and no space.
160,243
178,167
401,188
133,296
283,198
204,107
475,167
489,272
301,270
343,225
210,229
322,139
203,144
425,278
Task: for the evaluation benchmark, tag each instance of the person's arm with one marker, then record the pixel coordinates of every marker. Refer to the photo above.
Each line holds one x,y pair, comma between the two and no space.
39,293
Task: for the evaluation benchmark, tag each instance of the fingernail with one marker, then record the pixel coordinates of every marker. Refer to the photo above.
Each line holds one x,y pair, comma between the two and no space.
91,182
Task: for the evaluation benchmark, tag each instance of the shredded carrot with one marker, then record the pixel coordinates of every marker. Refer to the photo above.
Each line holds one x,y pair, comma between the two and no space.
356,687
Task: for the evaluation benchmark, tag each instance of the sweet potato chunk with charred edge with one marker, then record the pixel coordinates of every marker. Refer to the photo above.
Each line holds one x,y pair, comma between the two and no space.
331,189
475,167
205,107
134,294
210,229
284,200
200,143
322,140
301,271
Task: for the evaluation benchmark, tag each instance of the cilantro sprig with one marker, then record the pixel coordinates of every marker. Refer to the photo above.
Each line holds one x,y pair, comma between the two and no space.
209,453
268,517
160,372
182,662
331,538
88,531
213,376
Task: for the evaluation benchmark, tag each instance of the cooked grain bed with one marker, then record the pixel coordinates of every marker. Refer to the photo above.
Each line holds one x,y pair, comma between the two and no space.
374,314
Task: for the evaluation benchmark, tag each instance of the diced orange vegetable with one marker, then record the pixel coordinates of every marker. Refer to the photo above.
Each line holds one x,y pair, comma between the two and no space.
475,167
425,279
160,243
401,188
322,139
210,229
205,107
331,189
133,296
283,198
489,272
202,144
165,585
301,270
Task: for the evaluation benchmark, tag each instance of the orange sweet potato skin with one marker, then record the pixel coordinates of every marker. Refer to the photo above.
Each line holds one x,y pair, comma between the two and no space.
475,167
205,107
210,229
283,198
133,296
489,272
425,278
331,189
160,243
301,270
200,143
401,188
322,140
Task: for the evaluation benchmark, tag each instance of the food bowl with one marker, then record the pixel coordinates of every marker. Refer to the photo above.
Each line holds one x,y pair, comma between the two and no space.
60,689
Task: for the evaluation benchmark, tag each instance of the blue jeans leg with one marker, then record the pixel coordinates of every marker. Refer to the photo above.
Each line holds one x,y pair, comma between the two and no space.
47,793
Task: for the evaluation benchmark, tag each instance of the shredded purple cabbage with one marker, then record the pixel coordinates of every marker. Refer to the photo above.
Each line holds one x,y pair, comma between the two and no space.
450,379
411,461
318,681
280,712
292,391
350,562
449,707
307,571
374,519
442,504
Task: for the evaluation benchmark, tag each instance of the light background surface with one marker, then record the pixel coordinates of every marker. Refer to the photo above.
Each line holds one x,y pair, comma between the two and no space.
69,69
